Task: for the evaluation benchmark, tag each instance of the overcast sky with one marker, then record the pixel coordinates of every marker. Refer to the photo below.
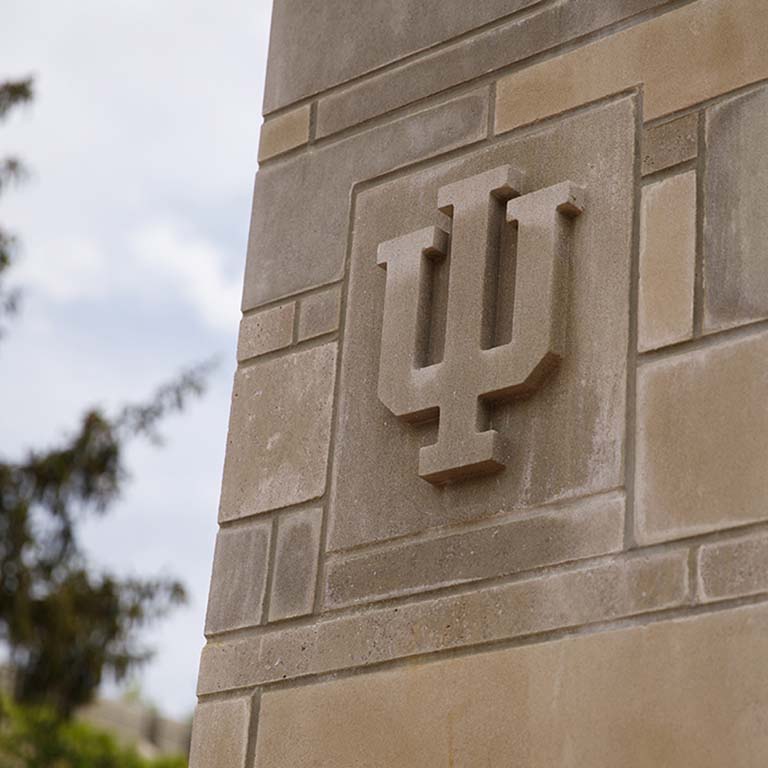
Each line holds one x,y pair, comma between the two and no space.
142,142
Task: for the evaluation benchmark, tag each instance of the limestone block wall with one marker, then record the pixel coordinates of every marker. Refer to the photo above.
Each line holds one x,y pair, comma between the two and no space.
594,591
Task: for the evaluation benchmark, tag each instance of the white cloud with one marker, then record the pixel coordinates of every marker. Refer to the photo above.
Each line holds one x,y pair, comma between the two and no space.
67,269
190,267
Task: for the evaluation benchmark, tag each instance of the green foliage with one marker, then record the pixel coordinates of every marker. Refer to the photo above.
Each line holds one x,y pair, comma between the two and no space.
66,625
63,623
12,94
35,737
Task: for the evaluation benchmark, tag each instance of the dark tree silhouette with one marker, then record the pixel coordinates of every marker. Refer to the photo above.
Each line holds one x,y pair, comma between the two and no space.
64,624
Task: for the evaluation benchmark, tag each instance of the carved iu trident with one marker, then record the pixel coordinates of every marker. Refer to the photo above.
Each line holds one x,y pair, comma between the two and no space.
469,376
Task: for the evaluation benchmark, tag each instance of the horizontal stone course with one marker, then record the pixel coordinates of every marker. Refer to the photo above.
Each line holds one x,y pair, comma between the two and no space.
702,440
734,568
583,529
478,55
266,331
305,245
284,132
677,694
681,58
318,44
670,143
625,586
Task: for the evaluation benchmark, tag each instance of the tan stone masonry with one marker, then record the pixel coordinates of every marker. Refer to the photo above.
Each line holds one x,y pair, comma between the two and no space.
600,598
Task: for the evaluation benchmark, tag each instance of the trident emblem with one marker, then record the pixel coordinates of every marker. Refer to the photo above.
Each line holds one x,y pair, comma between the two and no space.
457,389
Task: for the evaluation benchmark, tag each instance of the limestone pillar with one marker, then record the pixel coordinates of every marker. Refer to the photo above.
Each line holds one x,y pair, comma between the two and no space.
496,484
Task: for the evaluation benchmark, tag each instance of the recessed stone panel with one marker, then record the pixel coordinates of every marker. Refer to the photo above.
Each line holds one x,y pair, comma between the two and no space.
565,440
735,223
279,433
677,694
702,440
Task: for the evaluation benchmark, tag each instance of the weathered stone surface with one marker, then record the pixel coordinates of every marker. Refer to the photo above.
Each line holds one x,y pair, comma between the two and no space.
735,224
690,692
284,132
319,313
306,244
295,569
279,433
623,587
584,529
545,461
359,37
220,734
670,143
492,49
667,261
240,566
265,331
734,568
714,47
702,440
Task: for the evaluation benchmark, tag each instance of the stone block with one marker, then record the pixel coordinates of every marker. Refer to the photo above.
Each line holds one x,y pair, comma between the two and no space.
683,693
238,583
667,261
319,313
545,462
625,586
735,224
284,132
279,433
358,38
295,569
265,331
734,568
305,246
583,529
220,734
702,440
718,47
670,144
487,51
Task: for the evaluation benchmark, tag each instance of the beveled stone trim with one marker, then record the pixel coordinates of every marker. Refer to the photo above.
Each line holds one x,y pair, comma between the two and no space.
622,586
681,58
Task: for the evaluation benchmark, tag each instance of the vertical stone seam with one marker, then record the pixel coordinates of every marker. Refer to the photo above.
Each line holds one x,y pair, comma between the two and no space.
630,406
329,481
270,569
491,109
698,280
312,128
694,553
253,730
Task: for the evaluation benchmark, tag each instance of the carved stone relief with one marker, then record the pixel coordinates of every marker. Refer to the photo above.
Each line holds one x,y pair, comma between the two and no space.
476,370
507,291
